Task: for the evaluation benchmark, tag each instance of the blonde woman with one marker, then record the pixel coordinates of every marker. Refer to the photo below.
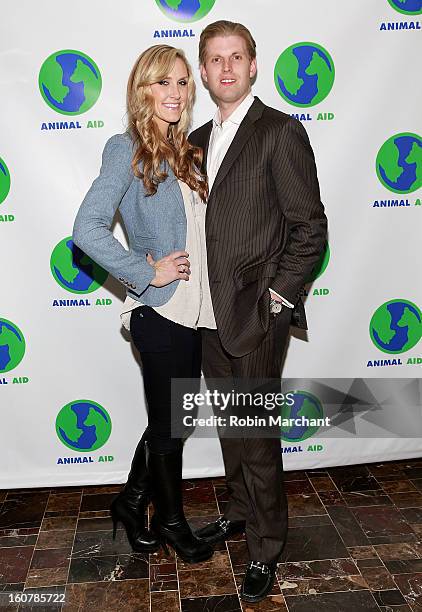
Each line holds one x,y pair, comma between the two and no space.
152,175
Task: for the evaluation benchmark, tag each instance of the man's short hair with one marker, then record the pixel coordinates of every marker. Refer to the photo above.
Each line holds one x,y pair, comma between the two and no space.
225,28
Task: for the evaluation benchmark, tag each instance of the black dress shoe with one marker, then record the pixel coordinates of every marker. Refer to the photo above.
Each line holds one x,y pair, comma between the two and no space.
258,581
220,531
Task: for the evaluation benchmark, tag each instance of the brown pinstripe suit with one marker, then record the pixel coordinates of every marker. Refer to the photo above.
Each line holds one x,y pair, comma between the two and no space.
265,227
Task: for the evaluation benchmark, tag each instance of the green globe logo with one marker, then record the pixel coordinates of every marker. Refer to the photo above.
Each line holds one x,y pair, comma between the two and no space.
408,7
304,74
321,265
4,181
70,82
83,425
75,271
12,345
305,405
396,326
185,10
399,163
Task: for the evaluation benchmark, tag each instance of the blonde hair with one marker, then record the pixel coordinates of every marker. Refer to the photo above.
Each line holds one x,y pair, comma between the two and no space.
225,28
151,147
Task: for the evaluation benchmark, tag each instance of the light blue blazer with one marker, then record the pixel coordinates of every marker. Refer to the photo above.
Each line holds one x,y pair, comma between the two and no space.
154,224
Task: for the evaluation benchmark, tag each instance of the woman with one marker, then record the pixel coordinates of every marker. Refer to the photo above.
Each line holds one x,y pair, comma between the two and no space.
151,173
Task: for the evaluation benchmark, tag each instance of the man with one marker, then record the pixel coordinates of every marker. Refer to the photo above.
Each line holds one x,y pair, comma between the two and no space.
266,229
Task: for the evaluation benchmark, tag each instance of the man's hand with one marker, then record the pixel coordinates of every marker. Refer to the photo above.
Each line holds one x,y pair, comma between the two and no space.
174,266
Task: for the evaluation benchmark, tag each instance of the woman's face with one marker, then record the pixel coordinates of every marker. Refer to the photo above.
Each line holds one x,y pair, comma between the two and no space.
170,96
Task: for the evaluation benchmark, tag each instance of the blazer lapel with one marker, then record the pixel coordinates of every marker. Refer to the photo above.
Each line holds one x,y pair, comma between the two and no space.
245,131
175,188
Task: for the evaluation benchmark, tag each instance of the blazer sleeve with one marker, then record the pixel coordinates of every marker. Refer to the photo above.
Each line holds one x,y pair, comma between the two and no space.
91,231
295,177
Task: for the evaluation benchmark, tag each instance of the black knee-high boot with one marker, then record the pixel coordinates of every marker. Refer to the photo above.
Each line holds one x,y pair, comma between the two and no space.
130,505
169,521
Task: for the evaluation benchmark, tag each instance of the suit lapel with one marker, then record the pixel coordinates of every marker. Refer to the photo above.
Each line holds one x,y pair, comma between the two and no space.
245,131
205,145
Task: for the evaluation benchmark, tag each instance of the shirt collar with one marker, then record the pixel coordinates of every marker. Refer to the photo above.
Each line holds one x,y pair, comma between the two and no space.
237,115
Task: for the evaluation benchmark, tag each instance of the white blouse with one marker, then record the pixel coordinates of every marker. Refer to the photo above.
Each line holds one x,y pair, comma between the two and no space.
190,305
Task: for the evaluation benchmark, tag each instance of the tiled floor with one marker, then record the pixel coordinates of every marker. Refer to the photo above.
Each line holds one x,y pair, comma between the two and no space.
355,543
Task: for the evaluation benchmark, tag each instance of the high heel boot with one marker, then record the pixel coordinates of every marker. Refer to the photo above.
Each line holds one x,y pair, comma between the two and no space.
169,521
130,505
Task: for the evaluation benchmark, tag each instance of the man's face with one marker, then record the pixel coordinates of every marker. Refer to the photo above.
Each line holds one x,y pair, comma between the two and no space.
228,69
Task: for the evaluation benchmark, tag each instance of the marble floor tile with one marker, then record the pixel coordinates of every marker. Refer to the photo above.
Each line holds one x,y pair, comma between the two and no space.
213,578
295,475
330,568
117,596
350,601
165,601
19,540
410,586
412,515
315,520
399,486
367,498
97,502
331,498
330,584
14,563
323,483
417,483
59,523
407,500
216,603
305,505
239,556
100,543
108,568
96,524
45,577
393,552
381,521
55,539
163,577
390,598
272,603
68,502
378,578
298,487
313,543
347,526
51,557
362,552
23,511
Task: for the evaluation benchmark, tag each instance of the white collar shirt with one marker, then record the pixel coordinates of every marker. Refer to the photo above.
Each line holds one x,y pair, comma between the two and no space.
222,135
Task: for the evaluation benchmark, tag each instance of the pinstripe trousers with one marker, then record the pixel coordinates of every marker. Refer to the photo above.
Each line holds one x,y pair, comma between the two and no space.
254,466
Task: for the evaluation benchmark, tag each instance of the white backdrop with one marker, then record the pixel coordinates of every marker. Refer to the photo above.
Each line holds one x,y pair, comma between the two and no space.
79,352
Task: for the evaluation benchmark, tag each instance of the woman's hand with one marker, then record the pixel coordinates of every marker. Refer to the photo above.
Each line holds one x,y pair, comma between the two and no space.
174,266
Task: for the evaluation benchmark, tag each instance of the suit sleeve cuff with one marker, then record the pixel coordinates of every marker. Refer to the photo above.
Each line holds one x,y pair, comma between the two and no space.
283,300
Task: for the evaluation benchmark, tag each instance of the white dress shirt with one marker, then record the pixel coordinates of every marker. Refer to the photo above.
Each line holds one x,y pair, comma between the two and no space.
222,135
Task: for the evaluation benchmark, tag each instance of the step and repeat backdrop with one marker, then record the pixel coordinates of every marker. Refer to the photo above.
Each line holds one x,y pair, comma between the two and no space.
72,405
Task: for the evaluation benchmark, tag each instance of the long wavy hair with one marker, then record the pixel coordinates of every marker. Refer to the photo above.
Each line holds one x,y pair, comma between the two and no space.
151,147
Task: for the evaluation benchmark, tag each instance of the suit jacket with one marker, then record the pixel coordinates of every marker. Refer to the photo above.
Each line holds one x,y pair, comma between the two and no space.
265,224
154,224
